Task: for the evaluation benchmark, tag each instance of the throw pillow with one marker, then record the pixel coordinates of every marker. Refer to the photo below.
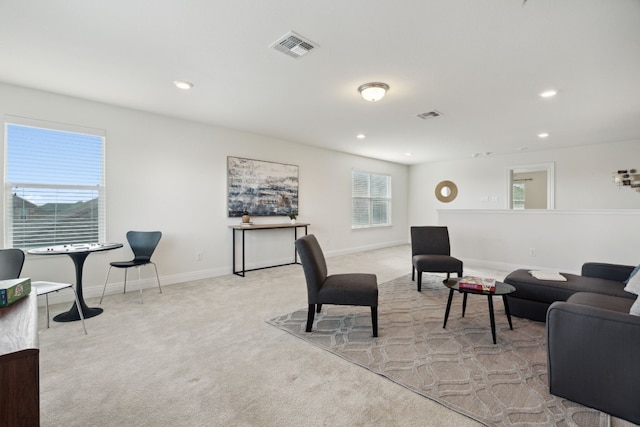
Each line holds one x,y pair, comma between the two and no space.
635,308
633,283
633,273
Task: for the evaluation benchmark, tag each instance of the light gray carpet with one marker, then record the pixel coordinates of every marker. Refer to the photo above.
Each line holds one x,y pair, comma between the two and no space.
460,367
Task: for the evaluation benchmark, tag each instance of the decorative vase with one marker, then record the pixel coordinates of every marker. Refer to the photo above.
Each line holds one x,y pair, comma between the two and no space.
293,220
246,218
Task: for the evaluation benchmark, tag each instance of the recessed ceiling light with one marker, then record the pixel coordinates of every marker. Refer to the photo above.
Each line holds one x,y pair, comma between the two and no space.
183,84
543,135
408,154
361,136
523,148
549,93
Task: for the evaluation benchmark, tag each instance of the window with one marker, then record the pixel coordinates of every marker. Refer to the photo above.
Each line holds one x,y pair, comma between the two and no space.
54,189
518,195
371,200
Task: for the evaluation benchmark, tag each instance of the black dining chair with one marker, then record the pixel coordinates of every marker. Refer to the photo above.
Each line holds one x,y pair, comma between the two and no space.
341,289
143,244
431,252
11,263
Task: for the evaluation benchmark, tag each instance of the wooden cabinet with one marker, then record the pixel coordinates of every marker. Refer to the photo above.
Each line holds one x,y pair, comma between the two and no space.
19,364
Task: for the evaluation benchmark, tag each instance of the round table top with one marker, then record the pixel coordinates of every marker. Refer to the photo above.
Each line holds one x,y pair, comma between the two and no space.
501,288
74,248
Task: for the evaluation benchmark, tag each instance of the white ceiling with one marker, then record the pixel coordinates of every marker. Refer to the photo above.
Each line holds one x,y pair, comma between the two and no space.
481,63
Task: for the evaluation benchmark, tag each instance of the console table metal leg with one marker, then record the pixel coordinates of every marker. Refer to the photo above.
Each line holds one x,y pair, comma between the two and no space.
243,268
233,249
295,237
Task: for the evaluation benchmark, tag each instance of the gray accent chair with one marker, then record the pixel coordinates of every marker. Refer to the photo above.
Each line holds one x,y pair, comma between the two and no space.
359,289
593,345
431,252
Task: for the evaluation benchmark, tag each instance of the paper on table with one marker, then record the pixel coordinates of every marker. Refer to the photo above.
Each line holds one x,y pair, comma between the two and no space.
548,275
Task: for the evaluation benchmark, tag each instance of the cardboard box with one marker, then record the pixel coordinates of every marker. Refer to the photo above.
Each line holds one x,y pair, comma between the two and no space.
13,290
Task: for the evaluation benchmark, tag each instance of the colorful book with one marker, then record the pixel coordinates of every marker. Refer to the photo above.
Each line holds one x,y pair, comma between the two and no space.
13,290
477,283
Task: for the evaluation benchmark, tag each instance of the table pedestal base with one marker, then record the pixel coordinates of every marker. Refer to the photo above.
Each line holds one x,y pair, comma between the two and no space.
72,315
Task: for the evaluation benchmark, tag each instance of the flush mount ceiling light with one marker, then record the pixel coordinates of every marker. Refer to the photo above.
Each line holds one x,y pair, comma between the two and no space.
373,92
361,136
550,93
543,135
182,84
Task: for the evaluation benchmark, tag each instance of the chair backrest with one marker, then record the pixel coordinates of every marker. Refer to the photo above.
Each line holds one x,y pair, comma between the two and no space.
143,243
430,240
313,264
11,262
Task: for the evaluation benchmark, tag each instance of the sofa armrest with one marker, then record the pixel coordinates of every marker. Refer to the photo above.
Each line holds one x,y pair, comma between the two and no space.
593,358
601,270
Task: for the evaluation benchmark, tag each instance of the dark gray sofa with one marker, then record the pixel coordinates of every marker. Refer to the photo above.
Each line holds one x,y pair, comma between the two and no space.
592,340
533,297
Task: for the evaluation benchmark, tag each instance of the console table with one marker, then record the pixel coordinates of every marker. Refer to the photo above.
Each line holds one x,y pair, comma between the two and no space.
19,363
253,227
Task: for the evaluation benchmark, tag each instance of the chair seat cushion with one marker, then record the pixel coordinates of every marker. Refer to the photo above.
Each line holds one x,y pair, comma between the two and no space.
437,263
128,264
349,289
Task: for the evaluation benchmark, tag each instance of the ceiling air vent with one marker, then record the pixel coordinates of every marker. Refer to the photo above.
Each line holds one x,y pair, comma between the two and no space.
293,45
429,115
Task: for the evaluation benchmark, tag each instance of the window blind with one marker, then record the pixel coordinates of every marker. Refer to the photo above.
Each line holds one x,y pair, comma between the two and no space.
54,189
371,200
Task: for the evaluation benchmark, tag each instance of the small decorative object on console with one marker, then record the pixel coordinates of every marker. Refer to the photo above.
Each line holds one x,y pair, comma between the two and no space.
477,283
13,290
246,219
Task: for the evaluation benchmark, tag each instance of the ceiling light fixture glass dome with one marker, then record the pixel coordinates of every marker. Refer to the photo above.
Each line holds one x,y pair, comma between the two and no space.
373,92
183,84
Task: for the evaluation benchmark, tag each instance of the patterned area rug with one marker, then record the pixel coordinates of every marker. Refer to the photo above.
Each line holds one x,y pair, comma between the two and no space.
459,367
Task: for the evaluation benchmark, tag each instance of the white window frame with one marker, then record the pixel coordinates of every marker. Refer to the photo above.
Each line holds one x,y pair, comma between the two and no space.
9,187
370,201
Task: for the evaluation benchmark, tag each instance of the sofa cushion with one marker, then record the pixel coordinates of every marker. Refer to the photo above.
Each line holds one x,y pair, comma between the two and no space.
606,302
528,287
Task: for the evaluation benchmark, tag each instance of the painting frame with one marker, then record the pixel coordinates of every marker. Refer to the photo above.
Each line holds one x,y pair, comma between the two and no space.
261,188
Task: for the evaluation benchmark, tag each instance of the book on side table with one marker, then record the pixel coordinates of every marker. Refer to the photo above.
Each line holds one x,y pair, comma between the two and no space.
14,289
477,283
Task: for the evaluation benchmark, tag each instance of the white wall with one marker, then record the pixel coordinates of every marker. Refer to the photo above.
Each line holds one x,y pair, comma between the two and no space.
594,221
170,175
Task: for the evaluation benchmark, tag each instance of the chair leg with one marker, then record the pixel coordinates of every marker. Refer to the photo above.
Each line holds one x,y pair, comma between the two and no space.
419,281
75,294
157,276
448,277
413,274
46,298
105,284
374,320
140,285
318,308
310,316
125,281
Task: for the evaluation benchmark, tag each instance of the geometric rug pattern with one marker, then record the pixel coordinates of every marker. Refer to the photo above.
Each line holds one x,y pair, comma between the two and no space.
503,384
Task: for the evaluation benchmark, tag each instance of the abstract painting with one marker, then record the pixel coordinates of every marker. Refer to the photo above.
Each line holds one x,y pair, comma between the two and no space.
261,188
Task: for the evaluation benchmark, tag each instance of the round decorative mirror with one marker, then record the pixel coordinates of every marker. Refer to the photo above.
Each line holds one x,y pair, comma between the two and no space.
446,191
